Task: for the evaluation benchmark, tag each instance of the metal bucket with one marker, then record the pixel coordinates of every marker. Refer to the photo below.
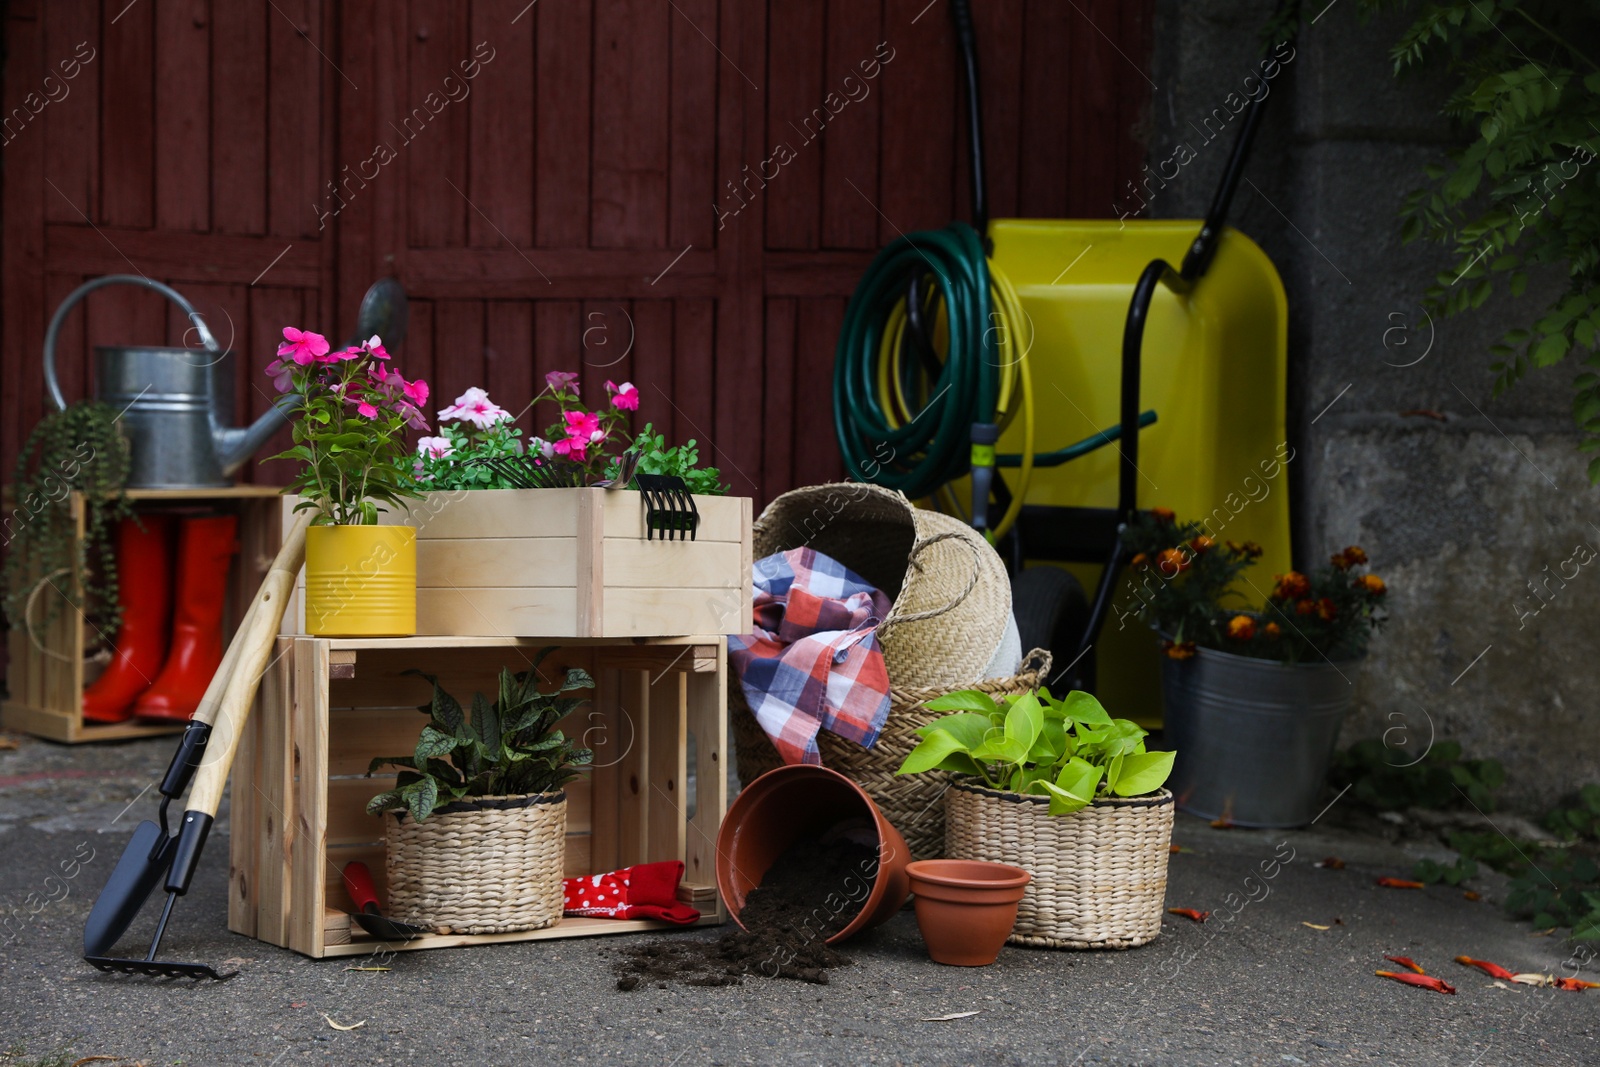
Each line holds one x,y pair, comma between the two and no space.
1253,736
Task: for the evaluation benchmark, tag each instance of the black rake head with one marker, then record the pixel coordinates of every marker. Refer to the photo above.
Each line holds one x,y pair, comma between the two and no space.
158,968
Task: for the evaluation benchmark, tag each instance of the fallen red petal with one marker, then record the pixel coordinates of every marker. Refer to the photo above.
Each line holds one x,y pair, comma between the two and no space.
1398,883
1223,823
1332,863
1575,985
1470,895
1426,981
1407,962
1190,913
1493,970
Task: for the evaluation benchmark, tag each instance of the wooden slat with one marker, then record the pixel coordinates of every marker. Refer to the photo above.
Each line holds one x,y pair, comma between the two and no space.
127,126
576,926
605,736
182,119
297,77
179,257
500,171
22,253
628,188
919,119
307,845
74,58
819,322
562,132
778,448
707,719
460,323
850,155
633,792
435,155
693,141
239,117
665,767
797,119
1046,83
508,358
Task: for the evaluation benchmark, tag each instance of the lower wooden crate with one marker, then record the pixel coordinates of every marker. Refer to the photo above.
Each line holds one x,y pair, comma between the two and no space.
44,670
657,789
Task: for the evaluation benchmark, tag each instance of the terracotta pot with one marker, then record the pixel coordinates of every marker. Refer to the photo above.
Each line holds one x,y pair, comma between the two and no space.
966,908
802,801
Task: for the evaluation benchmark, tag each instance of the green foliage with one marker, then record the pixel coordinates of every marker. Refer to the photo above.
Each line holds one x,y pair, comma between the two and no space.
1386,779
80,449
1522,192
1578,821
506,748
1069,750
1184,580
682,460
462,467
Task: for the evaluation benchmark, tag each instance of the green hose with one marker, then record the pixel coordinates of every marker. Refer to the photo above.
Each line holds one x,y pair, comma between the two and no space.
933,446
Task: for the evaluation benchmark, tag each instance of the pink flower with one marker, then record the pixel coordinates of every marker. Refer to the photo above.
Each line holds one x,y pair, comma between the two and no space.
562,380
573,448
303,346
474,406
541,446
282,374
582,424
374,346
416,392
625,396
436,447
366,410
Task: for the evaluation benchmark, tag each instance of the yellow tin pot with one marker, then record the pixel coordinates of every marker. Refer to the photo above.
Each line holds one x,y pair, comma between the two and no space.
361,581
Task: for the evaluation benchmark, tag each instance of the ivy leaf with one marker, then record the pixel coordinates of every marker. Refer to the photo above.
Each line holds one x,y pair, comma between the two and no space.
930,752
965,700
1143,772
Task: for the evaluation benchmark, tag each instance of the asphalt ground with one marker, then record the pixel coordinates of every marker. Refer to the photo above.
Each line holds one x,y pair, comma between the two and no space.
1253,985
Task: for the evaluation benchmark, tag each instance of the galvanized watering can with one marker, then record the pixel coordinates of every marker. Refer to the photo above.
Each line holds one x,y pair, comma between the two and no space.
175,403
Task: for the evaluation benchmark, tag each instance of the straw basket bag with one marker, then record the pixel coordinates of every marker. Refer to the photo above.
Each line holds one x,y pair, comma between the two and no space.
486,865
911,803
1099,874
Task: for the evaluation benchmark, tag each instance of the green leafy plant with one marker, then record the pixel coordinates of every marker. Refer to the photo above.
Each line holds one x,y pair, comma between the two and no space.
506,748
1523,190
1580,819
655,457
455,459
82,450
1183,580
1069,750
349,432
1385,779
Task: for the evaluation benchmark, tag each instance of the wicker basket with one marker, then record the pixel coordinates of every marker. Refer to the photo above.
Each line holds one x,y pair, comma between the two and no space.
488,865
1099,875
910,803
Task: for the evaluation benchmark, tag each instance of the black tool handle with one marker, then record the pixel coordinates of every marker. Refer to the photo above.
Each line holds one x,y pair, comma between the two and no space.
186,856
191,750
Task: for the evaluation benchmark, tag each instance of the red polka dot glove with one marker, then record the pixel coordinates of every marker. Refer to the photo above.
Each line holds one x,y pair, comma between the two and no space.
643,891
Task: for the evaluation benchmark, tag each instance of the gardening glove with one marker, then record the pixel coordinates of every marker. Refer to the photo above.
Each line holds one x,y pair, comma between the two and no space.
643,891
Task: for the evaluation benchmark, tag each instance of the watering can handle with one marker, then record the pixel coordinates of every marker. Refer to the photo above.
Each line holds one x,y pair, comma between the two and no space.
52,383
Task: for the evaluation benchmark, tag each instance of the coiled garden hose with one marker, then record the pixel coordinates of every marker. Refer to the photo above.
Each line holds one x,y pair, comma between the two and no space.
931,368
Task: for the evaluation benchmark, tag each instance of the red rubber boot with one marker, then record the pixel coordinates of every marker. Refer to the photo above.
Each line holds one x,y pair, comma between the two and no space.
205,547
144,568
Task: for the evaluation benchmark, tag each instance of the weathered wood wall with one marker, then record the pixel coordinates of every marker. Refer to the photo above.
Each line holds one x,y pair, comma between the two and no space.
560,184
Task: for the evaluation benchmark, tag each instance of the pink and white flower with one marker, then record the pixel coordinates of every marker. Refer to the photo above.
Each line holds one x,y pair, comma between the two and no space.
282,374
434,447
625,396
474,406
303,346
562,381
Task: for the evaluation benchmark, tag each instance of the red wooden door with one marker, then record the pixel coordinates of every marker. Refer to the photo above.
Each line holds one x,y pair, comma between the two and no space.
680,193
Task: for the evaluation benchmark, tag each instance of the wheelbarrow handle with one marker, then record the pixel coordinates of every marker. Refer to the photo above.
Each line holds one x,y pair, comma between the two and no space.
52,383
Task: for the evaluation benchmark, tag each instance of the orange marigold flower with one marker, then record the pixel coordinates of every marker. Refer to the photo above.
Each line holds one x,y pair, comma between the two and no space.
1355,554
1164,514
1306,607
1241,627
1271,631
1326,609
1179,649
1340,560
1172,562
1248,548
1139,561
1292,586
1372,584
1202,545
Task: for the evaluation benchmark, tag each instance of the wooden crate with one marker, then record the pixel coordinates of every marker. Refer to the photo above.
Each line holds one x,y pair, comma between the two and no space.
328,706
45,681
569,563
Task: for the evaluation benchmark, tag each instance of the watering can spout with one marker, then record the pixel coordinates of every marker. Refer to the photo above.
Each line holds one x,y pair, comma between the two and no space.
235,444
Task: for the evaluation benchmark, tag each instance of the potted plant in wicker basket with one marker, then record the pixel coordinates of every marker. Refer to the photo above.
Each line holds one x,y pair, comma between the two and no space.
1254,696
476,824
1065,792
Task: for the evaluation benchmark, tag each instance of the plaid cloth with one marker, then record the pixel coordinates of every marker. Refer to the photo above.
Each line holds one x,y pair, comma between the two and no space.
813,661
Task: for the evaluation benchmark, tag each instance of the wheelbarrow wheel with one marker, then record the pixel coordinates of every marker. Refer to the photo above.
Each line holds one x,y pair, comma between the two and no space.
1051,612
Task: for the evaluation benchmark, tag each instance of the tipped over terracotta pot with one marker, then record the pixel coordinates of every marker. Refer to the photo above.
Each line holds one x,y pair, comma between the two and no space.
966,908
791,804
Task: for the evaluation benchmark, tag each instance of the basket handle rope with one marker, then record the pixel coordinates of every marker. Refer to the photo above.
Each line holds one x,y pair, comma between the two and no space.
895,617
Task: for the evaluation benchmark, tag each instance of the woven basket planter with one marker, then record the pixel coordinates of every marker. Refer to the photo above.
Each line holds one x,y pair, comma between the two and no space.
911,803
1099,875
488,865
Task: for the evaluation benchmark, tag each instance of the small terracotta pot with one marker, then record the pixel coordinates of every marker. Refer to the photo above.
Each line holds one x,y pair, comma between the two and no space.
799,801
966,908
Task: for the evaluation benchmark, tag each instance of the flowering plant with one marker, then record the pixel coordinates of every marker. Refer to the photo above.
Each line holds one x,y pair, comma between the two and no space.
482,430
349,433
1184,583
580,436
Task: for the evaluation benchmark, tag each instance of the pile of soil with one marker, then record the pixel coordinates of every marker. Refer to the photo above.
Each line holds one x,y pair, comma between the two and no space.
810,893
